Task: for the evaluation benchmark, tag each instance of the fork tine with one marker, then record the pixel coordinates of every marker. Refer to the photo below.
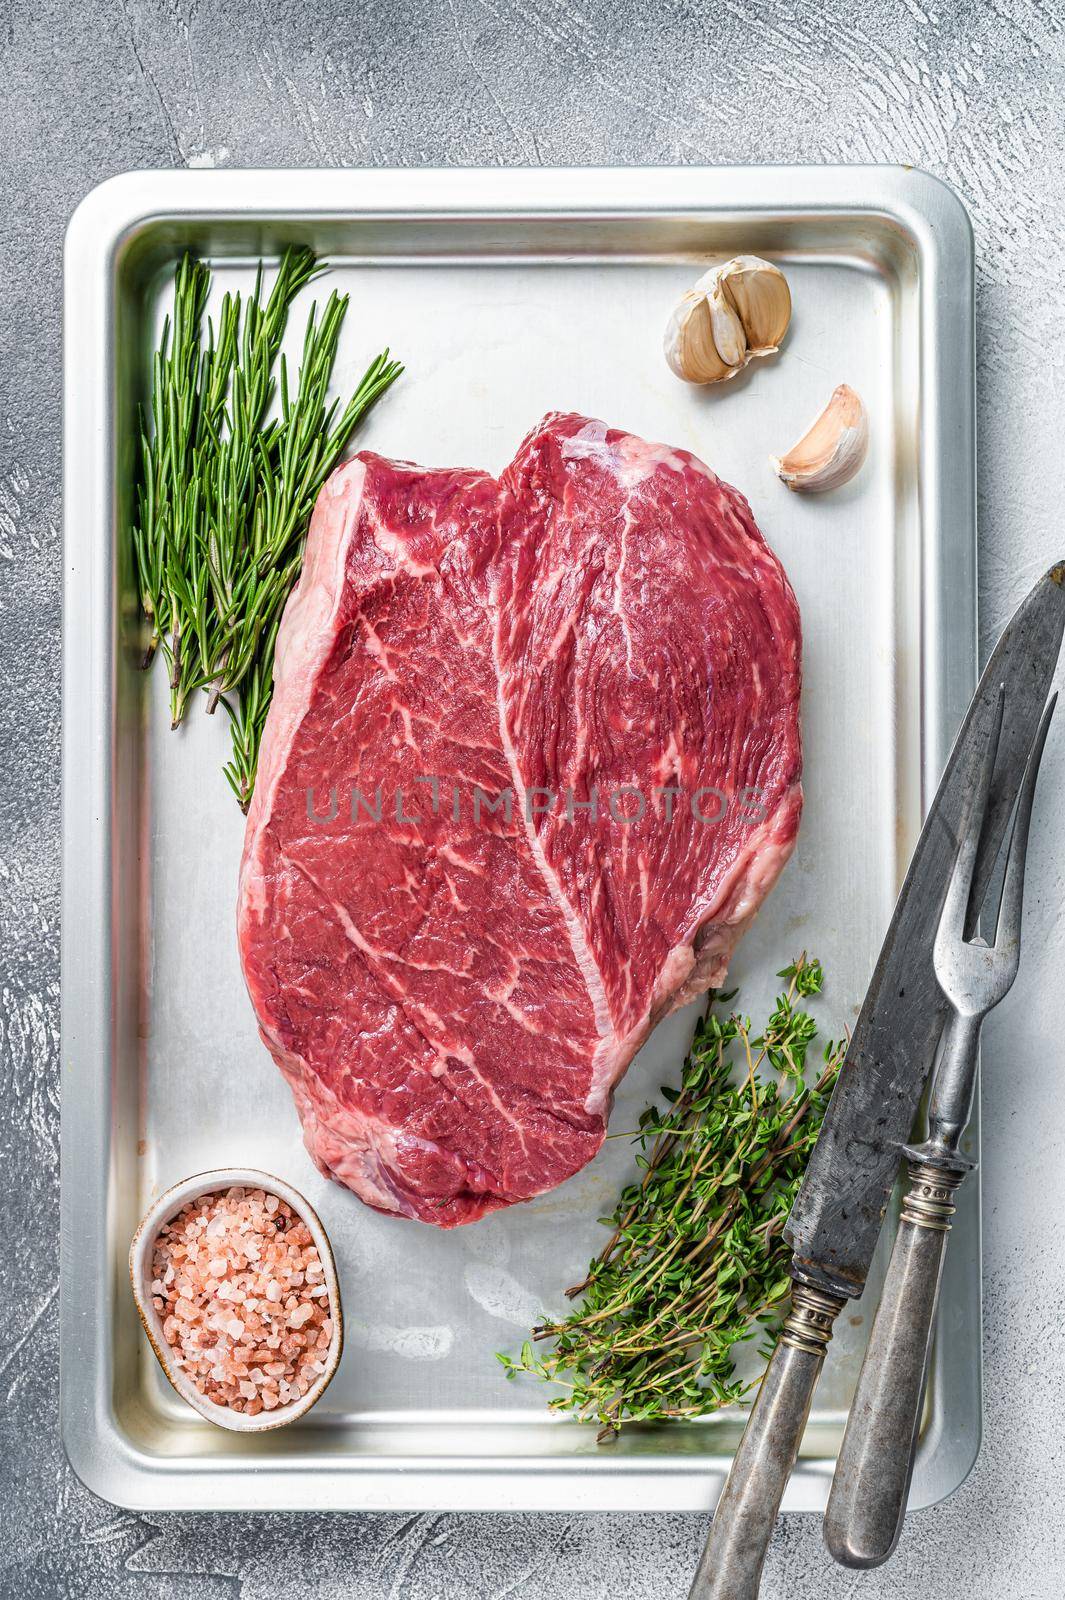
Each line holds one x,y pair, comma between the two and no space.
1008,927
956,905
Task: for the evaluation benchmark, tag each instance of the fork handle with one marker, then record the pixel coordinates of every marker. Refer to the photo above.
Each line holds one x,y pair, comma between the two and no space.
867,1502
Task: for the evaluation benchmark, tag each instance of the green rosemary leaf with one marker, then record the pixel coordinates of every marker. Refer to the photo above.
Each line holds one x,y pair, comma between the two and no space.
696,1264
231,461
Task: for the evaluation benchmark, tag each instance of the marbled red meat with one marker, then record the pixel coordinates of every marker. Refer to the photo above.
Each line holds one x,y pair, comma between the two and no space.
602,635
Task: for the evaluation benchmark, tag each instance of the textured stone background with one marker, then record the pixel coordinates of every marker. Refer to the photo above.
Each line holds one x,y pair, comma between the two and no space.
972,91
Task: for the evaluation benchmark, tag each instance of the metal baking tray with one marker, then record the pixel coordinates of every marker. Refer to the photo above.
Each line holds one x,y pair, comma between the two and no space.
507,293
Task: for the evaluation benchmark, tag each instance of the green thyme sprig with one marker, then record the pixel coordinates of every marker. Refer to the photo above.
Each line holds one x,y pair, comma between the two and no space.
230,468
695,1263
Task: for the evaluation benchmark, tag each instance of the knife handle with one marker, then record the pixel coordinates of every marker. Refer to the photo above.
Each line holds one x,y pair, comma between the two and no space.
731,1565
867,1502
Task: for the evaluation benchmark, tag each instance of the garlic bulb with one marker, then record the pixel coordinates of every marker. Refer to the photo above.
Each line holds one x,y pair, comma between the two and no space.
832,448
735,312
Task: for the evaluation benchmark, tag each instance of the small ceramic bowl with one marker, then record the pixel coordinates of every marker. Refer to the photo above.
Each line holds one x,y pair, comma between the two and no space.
140,1270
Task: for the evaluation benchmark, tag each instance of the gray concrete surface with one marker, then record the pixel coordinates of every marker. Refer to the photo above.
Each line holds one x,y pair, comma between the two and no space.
974,92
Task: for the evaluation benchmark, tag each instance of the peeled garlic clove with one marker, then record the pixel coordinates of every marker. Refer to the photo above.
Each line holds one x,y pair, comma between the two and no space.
831,450
736,311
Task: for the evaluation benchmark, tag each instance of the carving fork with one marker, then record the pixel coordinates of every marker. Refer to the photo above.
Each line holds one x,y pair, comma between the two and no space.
867,1503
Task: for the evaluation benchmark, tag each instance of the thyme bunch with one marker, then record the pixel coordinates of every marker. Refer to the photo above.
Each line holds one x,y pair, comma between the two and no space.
695,1262
230,468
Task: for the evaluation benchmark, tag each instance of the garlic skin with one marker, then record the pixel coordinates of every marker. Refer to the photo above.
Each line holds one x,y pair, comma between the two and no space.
735,312
831,450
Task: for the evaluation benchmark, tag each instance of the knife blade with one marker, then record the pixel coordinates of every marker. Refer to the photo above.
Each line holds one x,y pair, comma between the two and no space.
836,1219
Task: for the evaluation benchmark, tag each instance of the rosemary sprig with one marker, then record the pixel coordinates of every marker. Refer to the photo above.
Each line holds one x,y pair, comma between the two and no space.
227,484
695,1262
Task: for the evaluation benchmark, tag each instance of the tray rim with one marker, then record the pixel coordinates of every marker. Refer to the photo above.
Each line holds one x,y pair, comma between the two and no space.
935,225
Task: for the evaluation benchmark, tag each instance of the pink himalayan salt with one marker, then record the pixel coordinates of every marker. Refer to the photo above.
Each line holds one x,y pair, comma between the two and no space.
244,1249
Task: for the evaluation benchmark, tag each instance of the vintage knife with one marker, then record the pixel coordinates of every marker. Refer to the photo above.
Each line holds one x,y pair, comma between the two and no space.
836,1219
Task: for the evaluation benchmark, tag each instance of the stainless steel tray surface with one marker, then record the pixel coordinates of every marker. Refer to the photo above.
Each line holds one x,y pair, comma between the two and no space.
507,294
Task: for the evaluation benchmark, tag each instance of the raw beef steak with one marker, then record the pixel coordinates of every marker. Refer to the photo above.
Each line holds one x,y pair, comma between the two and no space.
531,766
